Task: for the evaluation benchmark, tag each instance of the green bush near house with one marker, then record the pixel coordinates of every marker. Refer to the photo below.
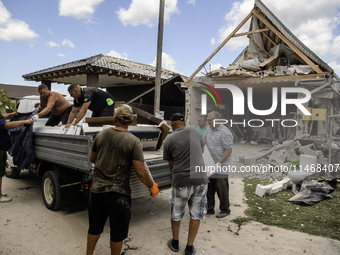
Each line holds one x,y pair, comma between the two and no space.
6,102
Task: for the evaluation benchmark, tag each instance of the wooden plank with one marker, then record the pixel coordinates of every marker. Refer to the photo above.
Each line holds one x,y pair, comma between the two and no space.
187,82
99,121
286,41
251,32
164,127
146,115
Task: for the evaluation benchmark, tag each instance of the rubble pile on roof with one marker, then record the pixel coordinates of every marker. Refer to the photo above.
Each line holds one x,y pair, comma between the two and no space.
273,50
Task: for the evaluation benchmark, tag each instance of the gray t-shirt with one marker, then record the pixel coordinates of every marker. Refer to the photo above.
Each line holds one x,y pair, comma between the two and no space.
115,150
184,148
218,141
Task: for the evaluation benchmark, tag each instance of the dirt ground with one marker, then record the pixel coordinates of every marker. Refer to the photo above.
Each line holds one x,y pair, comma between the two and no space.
27,227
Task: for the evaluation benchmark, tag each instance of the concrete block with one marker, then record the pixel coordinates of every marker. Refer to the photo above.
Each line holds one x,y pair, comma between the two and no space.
247,161
272,188
277,157
319,154
292,146
290,155
308,151
262,190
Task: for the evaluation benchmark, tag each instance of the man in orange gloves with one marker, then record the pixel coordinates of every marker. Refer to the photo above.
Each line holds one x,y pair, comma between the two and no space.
183,150
114,152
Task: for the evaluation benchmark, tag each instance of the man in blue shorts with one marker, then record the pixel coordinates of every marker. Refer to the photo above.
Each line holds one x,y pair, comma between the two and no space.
183,150
114,152
100,102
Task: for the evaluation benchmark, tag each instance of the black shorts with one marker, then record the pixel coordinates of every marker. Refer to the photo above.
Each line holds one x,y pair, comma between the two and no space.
113,205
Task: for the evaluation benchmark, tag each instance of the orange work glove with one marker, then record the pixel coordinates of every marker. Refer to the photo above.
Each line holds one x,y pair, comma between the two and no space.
154,190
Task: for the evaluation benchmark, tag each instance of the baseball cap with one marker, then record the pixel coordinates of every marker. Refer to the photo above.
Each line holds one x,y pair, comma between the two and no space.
124,111
177,116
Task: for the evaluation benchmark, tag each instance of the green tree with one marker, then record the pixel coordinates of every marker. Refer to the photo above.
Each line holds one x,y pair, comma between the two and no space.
4,101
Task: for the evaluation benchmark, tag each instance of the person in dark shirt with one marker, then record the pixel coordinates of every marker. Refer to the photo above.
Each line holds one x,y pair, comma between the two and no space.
100,102
5,142
183,150
114,152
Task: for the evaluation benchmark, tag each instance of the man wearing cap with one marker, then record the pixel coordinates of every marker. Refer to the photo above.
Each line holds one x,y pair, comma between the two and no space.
100,102
183,150
114,152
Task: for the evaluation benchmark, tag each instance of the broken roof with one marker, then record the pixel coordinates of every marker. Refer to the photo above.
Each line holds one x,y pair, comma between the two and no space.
113,71
272,50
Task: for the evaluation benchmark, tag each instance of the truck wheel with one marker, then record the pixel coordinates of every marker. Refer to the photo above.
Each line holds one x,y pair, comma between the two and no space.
51,191
11,170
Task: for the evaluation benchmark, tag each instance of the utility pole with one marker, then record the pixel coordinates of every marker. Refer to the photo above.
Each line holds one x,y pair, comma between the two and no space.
159,58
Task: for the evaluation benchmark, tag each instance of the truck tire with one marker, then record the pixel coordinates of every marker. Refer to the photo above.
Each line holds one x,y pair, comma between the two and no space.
11,171
51,191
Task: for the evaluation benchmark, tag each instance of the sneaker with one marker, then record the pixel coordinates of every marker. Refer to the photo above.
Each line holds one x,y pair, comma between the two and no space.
171,247
4,199
191,251
211,211
222,214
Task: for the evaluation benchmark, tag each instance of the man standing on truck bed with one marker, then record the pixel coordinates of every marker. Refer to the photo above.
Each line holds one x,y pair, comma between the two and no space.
52,102
114,152
100,102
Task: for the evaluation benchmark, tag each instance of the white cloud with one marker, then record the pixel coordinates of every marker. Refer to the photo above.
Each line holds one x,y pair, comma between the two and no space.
215,67
335,66
61,55
115,54
52,44
335,47
212,41
79,9
49,31
193,2
167,62
146,12
313,22
13,29
68,43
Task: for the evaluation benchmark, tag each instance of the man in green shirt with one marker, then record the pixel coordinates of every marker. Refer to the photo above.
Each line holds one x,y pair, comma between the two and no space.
202,124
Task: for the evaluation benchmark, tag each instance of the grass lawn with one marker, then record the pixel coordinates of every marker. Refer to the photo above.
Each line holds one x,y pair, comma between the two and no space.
320,219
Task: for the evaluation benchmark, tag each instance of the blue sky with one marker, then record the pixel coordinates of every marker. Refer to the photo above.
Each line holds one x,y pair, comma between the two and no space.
37,34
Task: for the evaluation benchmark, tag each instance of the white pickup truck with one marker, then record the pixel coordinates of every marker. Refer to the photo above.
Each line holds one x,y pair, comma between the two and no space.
62,159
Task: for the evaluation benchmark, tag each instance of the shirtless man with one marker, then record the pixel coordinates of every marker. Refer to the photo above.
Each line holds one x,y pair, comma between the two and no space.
55,103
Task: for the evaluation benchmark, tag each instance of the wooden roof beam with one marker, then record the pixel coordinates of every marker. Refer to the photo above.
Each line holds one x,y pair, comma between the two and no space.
268,38
252,32
219,47
287,42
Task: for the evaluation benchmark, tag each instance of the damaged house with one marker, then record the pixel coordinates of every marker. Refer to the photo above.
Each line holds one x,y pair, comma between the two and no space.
275,68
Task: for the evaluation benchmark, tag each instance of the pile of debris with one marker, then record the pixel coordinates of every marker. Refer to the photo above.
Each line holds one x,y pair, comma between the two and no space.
285,157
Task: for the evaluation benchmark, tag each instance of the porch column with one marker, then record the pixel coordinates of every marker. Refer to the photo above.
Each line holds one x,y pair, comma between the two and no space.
47,83
92,80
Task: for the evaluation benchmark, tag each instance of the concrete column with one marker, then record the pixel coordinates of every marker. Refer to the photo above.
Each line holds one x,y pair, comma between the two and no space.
92,80
47,83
